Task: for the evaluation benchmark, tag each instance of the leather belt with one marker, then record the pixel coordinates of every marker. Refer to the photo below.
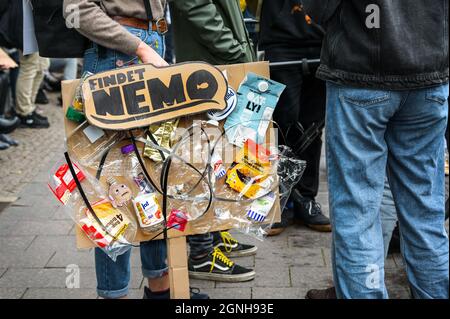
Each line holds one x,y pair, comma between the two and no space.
159,25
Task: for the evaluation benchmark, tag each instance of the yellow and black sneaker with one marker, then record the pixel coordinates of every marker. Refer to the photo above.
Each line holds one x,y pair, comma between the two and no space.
231,247
216,266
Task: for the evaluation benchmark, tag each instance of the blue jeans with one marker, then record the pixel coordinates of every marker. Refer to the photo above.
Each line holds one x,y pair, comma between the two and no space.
369,131
388,216
113,277
202,244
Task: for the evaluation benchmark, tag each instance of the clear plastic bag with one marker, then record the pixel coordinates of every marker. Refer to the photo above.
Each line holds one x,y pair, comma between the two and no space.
242,192
109,226
88,143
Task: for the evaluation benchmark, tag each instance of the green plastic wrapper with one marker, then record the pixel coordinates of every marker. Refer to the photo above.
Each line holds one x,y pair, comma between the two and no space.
74,115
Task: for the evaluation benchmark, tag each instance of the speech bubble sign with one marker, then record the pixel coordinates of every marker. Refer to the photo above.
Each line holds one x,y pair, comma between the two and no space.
141,95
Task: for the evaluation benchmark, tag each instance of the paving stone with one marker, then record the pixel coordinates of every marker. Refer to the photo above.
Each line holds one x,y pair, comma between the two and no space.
60,293
22,213
50,227
36,189
311,277
62,258
33,278
248,262
2,271
196,283
56,278
396,278
11,293
7,227
310,239
399,261
30,258
228,293
36,201
399,293
278,293
54,243
15,243
291,257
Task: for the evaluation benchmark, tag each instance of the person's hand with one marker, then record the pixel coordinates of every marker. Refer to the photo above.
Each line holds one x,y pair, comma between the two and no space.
148,55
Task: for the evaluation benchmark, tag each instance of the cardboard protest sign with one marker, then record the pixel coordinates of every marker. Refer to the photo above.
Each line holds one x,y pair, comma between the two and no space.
235,75
141,95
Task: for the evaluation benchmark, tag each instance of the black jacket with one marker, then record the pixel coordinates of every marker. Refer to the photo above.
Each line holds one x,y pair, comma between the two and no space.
284,28
11,24
409,50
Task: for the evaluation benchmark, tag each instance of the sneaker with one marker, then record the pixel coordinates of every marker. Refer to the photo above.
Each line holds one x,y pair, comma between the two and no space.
232,248
33,121
287,219
329,293
195,294
40,116
309,212
216,266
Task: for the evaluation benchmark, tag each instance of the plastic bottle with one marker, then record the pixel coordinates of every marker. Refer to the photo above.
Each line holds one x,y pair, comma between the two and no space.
145,202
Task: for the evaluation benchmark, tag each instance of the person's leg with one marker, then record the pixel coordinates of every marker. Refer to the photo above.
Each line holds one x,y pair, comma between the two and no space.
200,245
388,216
415,137
356,159
70,69
112,277
312,111
29,66
154,267
43,65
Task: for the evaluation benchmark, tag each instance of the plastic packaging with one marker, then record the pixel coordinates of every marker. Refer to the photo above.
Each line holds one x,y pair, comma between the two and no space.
257,99
145,200
75,112
110,228
88,143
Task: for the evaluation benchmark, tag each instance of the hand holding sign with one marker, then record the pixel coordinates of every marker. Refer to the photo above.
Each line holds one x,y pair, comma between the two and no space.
141,95
147,55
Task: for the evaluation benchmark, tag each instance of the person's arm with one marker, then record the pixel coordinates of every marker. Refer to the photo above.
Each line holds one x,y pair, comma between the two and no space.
97,26
209,29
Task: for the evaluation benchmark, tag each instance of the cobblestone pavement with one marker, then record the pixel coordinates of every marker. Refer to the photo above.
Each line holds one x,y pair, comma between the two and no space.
37,240
18,165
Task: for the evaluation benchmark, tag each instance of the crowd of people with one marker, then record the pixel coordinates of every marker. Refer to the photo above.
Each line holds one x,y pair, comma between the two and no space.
382,99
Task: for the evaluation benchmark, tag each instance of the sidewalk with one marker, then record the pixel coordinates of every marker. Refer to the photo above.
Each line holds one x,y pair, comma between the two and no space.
37,239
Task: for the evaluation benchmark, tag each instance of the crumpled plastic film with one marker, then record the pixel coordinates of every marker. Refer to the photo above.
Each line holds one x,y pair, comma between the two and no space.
88,143
111,227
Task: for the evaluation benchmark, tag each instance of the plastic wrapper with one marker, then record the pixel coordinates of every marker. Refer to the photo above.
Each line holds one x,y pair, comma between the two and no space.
242,192
110,226
257,100
75,111
88,143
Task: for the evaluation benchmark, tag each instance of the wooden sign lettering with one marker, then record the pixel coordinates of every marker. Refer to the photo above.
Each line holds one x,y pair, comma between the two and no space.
141,95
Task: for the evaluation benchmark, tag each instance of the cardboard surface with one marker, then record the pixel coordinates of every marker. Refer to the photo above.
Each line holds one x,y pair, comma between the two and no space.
178,271
141,95
235,74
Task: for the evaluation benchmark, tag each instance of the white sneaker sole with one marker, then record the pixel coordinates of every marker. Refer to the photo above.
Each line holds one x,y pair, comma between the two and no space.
222,277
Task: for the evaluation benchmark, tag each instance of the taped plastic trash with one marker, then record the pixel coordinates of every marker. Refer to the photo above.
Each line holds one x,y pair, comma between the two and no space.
107,225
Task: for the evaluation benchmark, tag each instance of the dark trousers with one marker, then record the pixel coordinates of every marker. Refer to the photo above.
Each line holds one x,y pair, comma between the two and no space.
304,101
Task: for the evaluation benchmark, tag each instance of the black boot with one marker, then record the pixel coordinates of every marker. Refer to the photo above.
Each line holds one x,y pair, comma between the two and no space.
7,126
41,97
8,140
308,212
